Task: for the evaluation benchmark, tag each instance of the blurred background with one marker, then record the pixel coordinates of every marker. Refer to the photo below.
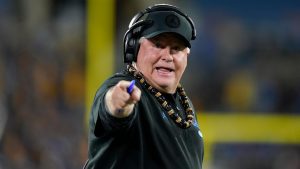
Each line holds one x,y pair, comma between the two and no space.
243,78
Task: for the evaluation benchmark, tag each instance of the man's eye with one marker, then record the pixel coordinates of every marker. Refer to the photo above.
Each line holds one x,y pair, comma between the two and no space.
178,48
157,44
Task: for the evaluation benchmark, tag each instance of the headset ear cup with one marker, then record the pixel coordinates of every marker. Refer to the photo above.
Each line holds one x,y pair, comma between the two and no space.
126,46
129,47
130,50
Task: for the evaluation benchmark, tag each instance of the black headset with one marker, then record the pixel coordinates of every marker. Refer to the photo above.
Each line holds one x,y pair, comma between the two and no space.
137,26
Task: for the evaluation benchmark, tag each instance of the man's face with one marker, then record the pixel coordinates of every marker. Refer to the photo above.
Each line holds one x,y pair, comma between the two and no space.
162,60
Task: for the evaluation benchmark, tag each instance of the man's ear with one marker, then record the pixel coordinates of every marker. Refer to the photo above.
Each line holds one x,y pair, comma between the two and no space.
188,51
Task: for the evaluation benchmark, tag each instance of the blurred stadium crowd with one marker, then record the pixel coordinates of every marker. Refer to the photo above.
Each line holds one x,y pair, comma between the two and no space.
238,64
247,63
42,49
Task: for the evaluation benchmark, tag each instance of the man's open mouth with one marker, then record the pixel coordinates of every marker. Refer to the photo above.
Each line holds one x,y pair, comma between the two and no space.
164,69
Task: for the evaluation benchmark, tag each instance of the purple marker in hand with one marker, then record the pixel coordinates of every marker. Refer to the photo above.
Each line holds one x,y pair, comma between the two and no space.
130,88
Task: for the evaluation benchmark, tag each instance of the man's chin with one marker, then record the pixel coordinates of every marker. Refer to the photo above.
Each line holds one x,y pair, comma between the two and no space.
166,87
164,83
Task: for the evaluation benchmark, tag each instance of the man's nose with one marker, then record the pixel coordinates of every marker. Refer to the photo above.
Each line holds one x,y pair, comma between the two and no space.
166,54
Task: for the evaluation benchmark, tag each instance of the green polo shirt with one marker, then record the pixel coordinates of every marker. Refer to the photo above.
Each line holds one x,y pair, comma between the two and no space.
147,139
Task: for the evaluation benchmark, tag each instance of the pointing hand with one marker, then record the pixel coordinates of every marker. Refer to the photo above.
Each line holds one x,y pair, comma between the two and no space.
120,99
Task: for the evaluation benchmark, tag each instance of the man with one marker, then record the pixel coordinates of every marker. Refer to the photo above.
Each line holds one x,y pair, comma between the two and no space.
141,118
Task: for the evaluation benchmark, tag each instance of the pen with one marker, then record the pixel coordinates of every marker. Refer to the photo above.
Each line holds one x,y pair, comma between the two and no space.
130,88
